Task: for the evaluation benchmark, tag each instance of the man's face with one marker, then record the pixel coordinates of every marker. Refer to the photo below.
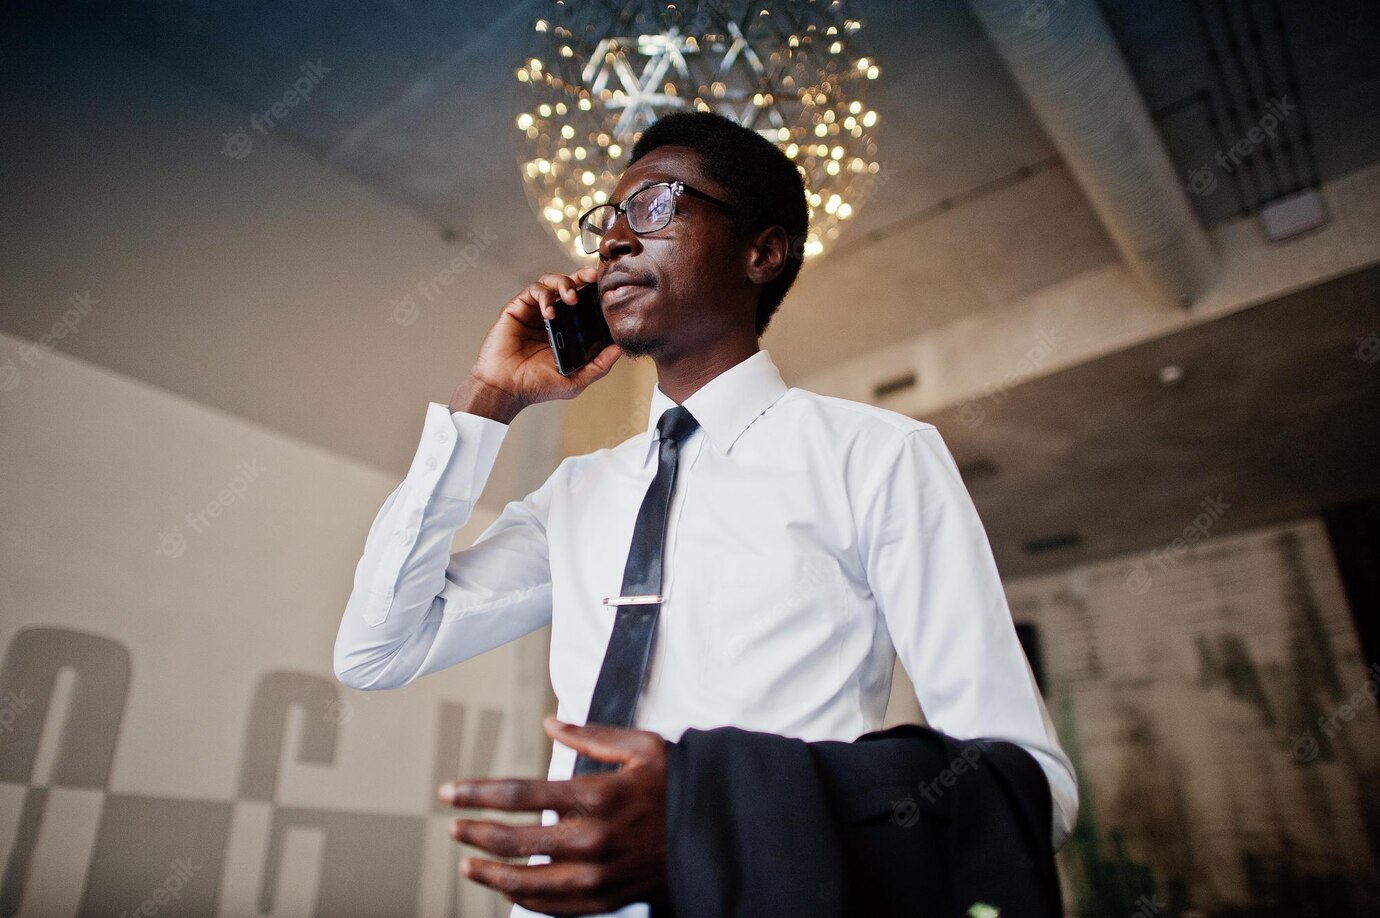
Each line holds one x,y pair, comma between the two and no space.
677,290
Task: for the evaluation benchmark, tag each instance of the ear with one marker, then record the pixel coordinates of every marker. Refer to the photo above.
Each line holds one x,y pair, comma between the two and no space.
766,256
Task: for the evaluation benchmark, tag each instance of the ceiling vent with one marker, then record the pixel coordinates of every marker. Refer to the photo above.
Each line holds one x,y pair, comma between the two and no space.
896,384
1056,542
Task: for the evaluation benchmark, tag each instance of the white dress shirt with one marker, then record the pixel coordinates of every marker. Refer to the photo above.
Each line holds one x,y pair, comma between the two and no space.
810,540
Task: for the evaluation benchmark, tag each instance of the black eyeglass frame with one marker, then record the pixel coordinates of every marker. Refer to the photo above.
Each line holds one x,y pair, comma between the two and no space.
677,187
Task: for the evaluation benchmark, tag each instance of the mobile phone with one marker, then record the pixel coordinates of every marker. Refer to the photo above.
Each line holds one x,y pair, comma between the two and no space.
579,332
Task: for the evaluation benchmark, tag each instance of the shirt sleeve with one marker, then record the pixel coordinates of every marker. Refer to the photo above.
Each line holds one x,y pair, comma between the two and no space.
415,608
931,570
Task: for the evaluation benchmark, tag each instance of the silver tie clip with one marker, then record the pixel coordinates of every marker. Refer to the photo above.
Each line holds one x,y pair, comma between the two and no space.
633,600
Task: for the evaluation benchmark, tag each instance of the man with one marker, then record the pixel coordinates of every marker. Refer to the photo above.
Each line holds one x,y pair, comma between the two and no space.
782,546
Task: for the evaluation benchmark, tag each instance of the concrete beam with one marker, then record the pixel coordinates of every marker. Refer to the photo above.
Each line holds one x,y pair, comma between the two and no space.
1067,64
1106,310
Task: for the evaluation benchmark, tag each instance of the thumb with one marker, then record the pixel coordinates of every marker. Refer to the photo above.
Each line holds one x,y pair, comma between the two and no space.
599,367
599,742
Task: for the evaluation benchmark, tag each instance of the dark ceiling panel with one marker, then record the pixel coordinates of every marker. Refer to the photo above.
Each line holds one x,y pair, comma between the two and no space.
252,52
1329,45
1278,410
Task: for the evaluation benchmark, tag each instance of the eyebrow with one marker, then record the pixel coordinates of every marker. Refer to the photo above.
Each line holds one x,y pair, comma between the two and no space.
647,184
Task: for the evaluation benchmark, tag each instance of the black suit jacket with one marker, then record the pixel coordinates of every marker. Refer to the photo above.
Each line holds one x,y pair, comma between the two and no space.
906,821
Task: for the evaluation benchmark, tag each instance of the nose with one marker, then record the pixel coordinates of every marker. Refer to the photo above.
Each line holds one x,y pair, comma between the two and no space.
619,240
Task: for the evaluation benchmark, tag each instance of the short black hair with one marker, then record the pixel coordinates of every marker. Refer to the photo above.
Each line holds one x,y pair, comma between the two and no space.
764,186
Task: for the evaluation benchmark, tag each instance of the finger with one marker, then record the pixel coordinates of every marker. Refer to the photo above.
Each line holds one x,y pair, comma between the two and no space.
567,905
526,312
602,743
570,839
587,275
564,285
599,367
547,298
560,881
542,297
510,794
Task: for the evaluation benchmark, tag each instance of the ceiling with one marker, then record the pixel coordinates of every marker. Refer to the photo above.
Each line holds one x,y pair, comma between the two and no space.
420,104
1277,411
977,211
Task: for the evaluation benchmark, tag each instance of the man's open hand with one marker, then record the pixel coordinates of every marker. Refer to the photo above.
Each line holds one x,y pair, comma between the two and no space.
607,850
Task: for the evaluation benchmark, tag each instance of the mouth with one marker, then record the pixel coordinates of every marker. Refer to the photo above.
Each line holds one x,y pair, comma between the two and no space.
619,292
623,285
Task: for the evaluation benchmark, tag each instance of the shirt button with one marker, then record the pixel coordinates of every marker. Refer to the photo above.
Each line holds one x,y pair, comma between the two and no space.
443,436
431,462
404,536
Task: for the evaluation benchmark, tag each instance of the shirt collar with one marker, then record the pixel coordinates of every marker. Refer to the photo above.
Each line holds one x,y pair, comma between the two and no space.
727,404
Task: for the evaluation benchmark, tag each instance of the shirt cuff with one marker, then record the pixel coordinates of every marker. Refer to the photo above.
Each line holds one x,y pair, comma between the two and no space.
457,452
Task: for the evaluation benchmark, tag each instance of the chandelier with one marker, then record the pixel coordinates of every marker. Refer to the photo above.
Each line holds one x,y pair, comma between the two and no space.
601,71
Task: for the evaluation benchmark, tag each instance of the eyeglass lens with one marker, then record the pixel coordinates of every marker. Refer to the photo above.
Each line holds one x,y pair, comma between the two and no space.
648,211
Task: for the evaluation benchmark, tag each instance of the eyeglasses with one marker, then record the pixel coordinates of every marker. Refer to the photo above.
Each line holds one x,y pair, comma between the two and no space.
648,209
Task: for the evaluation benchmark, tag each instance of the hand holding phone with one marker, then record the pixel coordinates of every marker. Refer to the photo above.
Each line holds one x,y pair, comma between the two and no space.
520,362
578,333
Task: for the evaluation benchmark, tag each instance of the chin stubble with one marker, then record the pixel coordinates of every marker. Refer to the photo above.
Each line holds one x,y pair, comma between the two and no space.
641,345
636,345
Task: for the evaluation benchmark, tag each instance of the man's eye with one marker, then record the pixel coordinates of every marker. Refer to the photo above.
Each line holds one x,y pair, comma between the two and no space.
657,209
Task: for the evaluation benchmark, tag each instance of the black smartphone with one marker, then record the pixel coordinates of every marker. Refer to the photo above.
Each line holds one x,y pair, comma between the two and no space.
579,332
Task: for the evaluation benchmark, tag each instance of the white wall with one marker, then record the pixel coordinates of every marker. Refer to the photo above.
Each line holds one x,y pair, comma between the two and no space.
98,472
244,311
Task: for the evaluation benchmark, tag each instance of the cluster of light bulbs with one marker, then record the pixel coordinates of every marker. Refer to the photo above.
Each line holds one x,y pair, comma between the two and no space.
601,71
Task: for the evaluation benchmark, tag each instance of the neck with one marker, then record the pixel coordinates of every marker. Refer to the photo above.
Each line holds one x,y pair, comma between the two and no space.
682,375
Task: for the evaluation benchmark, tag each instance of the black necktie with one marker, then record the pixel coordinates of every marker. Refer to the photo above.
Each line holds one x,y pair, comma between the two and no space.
630,646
